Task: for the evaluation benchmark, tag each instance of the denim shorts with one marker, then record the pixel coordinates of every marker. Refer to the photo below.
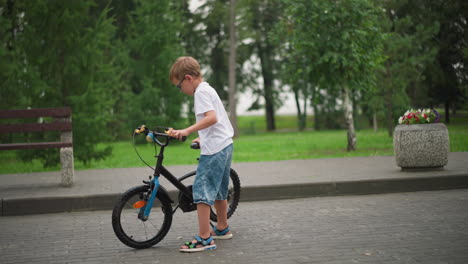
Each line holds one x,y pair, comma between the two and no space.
212,179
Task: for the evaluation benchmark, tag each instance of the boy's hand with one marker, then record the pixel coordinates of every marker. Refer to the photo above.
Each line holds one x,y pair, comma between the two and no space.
178,133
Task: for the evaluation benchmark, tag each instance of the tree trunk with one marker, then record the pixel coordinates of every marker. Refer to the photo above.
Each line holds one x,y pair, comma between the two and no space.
348,111
298,104
301,112
354,104
388,99
374,122
303,119
270,111
315,108
305,93
387,85
447,111
316,118
232,68
267,72
10,6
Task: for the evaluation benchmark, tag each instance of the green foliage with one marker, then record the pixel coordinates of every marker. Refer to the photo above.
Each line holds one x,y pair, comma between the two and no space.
259,147
152,45
331,49
60,57
340,39
258,22
425,62
71,53
210,44
446,77
206,37
408,51
109,61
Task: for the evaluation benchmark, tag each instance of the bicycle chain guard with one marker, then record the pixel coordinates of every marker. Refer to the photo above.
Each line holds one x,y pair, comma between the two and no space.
186,203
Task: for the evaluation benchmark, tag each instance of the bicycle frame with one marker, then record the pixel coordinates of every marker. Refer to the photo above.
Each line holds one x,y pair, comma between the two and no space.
154,184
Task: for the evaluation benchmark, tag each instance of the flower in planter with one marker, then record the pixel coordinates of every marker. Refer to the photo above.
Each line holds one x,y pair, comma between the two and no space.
419,116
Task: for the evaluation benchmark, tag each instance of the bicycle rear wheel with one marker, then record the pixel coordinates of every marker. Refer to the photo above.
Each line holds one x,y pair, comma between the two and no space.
233,192
137,233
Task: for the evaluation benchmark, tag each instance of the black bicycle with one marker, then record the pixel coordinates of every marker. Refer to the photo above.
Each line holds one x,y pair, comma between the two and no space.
142,216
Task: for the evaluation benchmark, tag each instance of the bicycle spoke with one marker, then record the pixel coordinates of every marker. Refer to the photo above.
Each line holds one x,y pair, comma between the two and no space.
144,227
136,232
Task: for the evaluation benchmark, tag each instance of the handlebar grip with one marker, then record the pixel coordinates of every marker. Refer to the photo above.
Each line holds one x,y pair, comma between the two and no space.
195,145
167,133
140,129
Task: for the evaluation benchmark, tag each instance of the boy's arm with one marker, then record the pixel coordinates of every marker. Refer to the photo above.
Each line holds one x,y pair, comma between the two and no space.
207,121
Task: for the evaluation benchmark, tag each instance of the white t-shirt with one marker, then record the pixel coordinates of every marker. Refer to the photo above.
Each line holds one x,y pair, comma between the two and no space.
215,138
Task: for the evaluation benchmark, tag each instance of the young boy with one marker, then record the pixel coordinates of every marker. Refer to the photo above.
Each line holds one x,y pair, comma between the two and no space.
215,139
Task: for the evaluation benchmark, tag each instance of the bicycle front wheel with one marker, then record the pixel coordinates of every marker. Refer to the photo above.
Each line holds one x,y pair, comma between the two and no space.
135,232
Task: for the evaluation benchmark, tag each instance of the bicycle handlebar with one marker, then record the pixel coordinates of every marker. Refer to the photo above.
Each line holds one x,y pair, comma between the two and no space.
195,145
151,136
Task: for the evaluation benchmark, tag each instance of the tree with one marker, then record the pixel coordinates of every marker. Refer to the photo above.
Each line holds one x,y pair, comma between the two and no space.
447,76
211,36
294,70
408,50
232,66
10,55
424,50
259,22
342,43
59,54
152,44
207,39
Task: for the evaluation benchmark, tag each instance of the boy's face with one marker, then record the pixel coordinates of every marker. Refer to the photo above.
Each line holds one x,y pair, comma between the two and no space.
185,85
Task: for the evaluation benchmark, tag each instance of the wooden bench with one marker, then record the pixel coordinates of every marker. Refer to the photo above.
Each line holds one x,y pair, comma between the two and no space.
62,122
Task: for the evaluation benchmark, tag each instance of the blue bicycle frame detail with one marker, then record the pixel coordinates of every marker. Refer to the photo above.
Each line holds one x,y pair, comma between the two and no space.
149,203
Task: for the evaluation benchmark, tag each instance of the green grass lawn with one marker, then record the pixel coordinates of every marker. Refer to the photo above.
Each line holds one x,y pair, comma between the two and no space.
250,147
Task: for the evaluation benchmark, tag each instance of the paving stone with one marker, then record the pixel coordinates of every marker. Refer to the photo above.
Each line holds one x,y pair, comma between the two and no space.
418,227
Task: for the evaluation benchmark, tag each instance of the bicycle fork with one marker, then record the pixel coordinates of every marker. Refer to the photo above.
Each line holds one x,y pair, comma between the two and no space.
146,209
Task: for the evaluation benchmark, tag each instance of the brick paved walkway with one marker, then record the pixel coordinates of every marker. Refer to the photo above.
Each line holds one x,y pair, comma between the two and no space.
418,227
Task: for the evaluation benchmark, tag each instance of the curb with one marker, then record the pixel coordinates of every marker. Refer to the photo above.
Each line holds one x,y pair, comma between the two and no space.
41,205
360,187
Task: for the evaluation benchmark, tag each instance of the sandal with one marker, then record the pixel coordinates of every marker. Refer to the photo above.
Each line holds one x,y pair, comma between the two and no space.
200,245
222,234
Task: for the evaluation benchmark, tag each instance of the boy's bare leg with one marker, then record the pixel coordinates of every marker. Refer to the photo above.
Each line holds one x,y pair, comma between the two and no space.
203,211
221,211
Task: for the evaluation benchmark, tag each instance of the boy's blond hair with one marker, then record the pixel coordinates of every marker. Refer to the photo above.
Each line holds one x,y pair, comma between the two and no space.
184,66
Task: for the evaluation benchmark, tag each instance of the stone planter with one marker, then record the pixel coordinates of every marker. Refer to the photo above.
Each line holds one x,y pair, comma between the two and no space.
421,146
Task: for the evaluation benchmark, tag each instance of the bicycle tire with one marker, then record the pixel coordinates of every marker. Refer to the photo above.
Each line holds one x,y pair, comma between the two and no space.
233,193
133,235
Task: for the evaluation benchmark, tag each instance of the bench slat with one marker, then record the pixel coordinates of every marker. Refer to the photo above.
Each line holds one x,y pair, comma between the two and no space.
36,112
35,127
35,145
